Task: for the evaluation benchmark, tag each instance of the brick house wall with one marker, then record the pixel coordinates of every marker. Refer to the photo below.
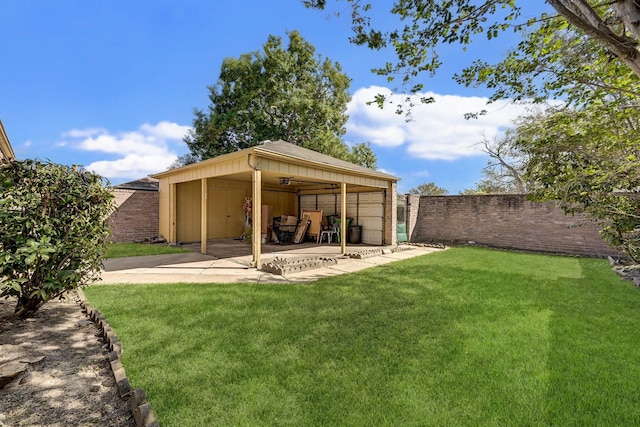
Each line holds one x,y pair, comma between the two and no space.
137,215
504,221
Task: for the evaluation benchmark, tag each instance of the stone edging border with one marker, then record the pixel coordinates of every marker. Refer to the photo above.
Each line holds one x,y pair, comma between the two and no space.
283,266
140,408
384,250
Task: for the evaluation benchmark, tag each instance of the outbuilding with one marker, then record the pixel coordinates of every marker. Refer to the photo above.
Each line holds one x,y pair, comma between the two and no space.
208,200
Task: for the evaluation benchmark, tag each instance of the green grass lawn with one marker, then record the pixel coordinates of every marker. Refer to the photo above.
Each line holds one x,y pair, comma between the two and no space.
121,250
464,337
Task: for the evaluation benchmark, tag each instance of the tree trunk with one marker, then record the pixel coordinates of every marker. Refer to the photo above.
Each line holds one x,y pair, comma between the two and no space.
580,14
27,307
629,13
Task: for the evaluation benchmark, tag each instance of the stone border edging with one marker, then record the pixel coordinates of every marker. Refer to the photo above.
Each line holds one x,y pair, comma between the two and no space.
282,266
625,271
140,408
384,250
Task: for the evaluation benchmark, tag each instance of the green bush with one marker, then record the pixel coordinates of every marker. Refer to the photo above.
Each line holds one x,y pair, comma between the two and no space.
54,224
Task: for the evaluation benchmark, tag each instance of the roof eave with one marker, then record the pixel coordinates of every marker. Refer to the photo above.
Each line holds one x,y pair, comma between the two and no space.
5,144
201,164
259,150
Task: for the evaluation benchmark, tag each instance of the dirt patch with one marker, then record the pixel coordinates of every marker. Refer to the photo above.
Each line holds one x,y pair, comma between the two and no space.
69,380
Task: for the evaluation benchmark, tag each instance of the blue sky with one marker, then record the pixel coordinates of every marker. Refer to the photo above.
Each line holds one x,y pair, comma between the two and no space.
111,85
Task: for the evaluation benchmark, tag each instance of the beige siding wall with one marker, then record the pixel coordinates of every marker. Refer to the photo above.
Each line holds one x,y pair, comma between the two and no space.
283,202
231,166
370,211
188,204
225,198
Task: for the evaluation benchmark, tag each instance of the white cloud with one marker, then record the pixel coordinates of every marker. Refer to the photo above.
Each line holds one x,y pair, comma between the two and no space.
438,131
83,133
149,149
166,130
421,174
387,171
132,166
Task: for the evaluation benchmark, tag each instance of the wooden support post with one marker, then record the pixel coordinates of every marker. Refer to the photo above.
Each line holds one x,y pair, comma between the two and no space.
343,217
203,215
173,235
256,211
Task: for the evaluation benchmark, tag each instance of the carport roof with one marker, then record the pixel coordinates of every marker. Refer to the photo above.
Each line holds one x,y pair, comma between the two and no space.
5,146
296,152
286,151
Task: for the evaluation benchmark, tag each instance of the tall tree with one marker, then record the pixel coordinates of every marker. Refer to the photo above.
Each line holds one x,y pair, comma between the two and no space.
587,159
363,155
280,92
429,189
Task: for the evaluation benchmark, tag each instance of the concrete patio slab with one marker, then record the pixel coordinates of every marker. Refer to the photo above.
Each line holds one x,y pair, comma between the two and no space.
193,267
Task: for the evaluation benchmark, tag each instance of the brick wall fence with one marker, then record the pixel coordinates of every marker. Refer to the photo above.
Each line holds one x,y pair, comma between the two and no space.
137,215
504,221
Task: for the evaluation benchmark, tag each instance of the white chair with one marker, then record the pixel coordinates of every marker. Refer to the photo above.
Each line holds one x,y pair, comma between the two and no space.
333,231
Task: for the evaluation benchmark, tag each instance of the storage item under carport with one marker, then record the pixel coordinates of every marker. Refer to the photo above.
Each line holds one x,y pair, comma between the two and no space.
337,222
355,231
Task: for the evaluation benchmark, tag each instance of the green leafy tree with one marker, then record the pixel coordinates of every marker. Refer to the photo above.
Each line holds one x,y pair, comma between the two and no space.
429,189
486,187
185,159
363,155
280,92
582,152
587,159
54,228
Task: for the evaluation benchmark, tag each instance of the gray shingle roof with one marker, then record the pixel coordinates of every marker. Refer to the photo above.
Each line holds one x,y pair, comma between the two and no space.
146,183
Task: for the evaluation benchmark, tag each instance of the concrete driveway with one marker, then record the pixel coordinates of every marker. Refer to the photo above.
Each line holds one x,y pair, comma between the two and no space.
229,261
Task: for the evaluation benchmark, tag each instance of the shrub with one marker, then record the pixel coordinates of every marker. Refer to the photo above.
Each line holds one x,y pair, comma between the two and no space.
54,224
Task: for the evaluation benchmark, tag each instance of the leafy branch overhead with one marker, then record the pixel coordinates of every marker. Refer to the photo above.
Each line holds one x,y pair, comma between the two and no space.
424,26
587,159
